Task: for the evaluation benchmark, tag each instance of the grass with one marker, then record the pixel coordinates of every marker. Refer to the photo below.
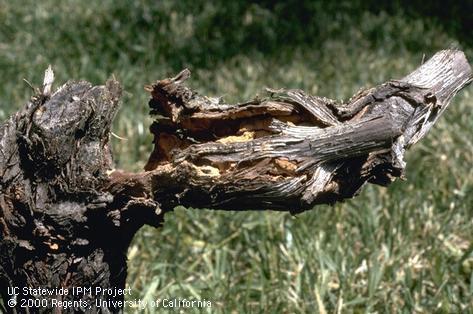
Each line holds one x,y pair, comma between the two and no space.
404,249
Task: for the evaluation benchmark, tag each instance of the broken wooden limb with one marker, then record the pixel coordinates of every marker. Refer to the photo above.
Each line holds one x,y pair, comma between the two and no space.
67,218
289,150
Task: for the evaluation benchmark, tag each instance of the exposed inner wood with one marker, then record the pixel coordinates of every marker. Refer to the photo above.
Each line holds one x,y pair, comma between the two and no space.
62,203
290,150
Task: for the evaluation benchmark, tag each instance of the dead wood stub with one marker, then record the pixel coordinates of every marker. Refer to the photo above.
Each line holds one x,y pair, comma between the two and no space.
59,227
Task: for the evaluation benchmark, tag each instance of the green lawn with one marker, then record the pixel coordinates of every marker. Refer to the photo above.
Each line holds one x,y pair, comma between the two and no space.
406,248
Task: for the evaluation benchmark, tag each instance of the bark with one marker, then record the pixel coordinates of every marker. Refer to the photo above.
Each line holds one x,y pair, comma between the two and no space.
67,217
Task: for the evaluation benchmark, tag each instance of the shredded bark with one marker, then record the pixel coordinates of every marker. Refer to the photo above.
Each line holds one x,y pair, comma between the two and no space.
67,216
290,150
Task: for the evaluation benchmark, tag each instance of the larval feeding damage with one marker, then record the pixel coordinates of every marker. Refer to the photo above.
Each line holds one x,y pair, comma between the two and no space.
68,219
290,149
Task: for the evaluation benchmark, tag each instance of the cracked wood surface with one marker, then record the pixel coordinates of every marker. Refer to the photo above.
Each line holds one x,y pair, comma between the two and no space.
290,150
67,217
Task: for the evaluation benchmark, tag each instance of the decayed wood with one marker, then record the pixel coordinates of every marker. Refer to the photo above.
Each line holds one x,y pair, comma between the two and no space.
290,150
67,217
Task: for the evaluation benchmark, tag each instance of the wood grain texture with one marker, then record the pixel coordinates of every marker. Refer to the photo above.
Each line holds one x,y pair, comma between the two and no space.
290,150
67,217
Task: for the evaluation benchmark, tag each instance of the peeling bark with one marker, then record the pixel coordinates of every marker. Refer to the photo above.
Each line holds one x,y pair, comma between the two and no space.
62,205
290,150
